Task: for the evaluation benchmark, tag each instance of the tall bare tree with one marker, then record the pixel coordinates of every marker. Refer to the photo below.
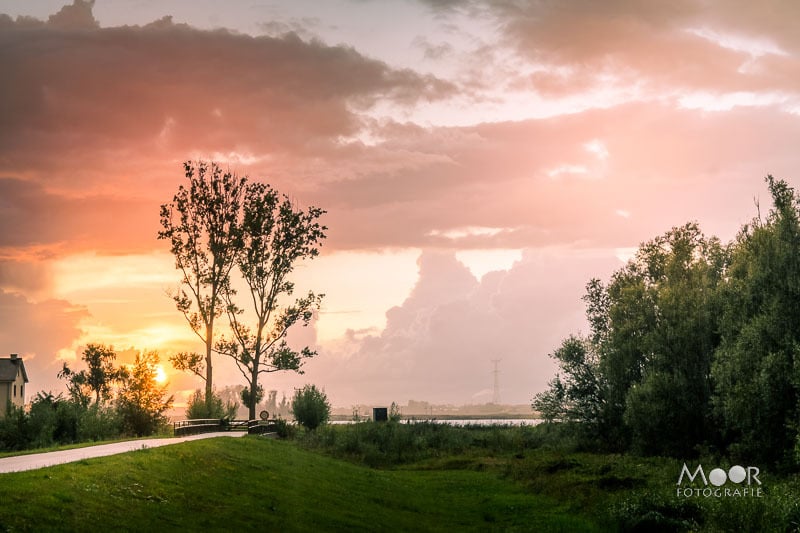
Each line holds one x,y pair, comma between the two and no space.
275,235
202,224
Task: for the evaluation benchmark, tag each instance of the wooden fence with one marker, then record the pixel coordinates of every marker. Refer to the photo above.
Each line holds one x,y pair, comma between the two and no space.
182,428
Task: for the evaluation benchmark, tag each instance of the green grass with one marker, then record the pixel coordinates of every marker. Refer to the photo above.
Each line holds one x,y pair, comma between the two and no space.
382,478
254,483
619,492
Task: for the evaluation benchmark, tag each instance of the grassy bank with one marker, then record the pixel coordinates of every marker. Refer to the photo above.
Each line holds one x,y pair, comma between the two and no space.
384,477
254,483
618,492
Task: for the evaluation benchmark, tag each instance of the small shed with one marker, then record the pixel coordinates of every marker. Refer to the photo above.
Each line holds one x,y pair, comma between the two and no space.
13,378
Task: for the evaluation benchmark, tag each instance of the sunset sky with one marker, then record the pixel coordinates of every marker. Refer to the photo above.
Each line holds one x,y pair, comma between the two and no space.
479,162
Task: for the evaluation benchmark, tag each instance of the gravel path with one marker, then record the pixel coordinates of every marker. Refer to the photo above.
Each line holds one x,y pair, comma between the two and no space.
19,463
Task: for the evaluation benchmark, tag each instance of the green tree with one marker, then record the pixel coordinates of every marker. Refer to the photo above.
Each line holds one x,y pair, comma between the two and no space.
576,393
141,402
660,342
757,366
202,225
550,403
697,343
98,377
275,235
248,399
310,407
642,375
681,345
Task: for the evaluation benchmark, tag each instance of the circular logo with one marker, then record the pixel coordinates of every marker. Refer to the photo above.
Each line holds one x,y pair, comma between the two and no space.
717,477
737,474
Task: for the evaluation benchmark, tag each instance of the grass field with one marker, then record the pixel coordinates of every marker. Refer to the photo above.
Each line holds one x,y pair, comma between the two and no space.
371,477
255,483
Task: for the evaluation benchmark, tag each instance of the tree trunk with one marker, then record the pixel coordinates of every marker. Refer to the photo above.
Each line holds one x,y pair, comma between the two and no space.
251,409
209,371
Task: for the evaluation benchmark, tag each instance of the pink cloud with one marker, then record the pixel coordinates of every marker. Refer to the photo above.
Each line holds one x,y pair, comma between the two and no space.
438,345
97,121
664,47
37,331
115,95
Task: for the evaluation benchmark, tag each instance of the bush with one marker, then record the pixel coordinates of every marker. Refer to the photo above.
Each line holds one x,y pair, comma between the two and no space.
141,402
214,408
652,512
389,444
379,444
41,423
310,407
68,415
14,430
99,423
51,420
394,413
284,429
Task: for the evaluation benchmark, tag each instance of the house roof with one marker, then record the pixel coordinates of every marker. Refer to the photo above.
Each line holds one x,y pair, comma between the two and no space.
10,367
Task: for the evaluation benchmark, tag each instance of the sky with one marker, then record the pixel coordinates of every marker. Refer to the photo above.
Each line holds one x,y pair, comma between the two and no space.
479,163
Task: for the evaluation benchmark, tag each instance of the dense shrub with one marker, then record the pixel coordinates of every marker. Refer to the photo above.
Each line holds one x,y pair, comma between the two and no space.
310,407
651,512
99,423
141,402
198,408
39,431
138,408
15,432
51,420
284,429
389,443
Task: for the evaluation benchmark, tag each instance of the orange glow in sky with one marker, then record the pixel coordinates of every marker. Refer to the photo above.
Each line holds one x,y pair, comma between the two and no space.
479,162
161,375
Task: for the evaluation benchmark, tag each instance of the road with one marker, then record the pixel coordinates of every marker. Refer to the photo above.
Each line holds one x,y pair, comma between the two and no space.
18,463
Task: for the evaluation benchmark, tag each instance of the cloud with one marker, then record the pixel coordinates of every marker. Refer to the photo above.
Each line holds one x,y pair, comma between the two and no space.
677,164
78,16
438,345
41,222
98,120
431,50
39,332
662,47
165,89
25,276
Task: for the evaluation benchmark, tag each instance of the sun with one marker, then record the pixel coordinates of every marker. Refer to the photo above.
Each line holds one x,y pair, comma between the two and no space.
161,376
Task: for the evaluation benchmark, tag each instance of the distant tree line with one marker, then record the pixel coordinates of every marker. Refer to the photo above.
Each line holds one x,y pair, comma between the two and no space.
693,346
105,401
226,400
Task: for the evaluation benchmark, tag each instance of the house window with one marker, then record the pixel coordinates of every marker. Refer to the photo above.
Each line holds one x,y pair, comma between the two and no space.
15,390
